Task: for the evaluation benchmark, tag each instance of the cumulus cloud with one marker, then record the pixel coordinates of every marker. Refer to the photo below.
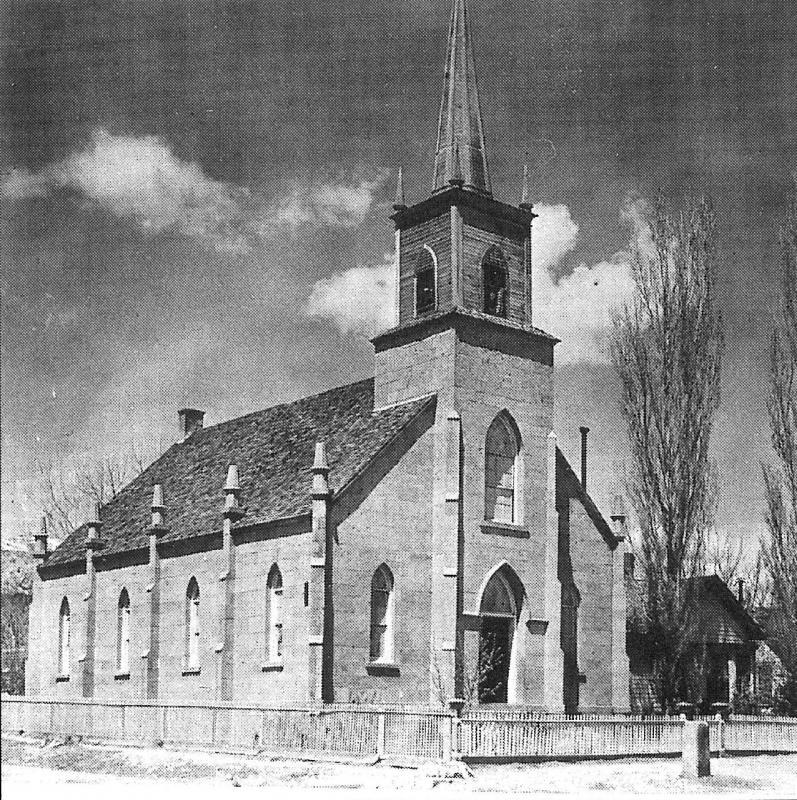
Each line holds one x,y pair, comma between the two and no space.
337,204
358,300
140,179
577,307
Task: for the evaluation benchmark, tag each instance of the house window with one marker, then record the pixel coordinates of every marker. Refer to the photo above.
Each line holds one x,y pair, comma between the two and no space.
274,586
425,282
123,633
192,626
501,467
494,280
382,615
63,639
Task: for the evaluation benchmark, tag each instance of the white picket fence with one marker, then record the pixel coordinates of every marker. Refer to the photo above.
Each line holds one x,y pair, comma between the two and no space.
388,732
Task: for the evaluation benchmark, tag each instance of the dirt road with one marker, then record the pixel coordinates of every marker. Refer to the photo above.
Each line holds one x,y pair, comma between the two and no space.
31,768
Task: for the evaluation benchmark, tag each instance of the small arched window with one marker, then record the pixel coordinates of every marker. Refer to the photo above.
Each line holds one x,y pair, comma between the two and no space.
425,282
494,280
501,472
123,633
382,613
274,611
192,625
63,639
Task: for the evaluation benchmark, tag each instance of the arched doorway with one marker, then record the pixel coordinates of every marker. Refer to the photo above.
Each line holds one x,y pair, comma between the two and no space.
498,616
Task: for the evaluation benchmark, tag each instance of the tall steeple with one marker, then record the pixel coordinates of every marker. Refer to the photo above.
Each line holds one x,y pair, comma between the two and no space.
460,138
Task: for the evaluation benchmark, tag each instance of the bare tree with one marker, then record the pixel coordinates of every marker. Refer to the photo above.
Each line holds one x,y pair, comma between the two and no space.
740,568
780,545
68,488
724,556
667,349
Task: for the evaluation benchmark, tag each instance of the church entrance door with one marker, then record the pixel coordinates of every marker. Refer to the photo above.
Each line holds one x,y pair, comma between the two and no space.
495,649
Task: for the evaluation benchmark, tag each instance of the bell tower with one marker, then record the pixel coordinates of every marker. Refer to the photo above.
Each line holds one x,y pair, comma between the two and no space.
464,332
463,258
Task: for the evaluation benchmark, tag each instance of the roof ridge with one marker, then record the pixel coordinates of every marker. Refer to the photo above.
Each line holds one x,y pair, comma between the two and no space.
279,405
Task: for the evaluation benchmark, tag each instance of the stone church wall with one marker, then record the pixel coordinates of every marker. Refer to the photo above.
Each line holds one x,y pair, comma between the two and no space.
592,575
392,525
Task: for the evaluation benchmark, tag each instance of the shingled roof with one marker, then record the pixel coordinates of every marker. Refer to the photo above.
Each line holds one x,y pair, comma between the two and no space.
274,452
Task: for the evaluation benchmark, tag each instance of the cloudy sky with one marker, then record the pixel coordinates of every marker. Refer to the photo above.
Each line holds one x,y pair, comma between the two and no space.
195,199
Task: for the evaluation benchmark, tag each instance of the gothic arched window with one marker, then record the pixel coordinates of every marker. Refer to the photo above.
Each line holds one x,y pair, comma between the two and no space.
274,611
495,282
501,471
192,625
425,282
382,615
63,639
123,633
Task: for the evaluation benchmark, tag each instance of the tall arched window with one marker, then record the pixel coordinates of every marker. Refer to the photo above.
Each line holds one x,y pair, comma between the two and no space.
63,639
382,615
495,283
123,633
274,586
425,282
192,625
501,472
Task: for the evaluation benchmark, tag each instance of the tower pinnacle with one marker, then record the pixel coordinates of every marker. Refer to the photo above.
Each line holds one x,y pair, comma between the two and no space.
460,138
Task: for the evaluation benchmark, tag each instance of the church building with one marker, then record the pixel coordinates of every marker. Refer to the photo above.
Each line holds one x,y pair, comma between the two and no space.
417,537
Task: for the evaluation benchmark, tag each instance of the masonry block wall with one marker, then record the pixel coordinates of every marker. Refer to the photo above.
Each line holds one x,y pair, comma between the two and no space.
389,524
592,574
253,562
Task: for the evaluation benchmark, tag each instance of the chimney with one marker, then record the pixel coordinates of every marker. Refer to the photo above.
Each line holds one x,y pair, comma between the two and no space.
740,590
40,542
584,431
191,420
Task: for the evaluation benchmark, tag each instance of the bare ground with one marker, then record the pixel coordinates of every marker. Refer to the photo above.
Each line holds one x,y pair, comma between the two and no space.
30,766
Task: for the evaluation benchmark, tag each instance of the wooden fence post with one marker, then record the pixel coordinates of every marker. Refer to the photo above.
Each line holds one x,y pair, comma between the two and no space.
456,738
447,732
380,735
720,736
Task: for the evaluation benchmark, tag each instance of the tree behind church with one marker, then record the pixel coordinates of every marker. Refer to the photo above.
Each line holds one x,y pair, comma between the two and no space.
667,348
780,544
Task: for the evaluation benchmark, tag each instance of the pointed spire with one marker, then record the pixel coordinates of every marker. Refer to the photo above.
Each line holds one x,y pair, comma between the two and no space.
525,203
399,204
460,124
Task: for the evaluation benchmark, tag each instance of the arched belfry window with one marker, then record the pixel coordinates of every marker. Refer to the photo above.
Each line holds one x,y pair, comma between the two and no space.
63,639
192,625
274,586
495,282
501,468
382,601
123,633
425,281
